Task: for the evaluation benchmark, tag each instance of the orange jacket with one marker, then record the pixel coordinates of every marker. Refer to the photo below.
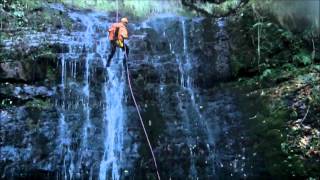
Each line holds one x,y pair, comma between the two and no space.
122,33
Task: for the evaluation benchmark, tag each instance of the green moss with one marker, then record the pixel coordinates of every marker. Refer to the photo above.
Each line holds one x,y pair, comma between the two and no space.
267,130
236,65
39,104
19,15
50,74
269,117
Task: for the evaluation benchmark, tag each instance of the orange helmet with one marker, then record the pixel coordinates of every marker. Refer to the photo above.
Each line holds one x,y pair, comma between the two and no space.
124,20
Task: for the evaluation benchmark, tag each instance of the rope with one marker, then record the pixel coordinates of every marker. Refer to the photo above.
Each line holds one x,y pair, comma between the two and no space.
135,103
141,121
117,11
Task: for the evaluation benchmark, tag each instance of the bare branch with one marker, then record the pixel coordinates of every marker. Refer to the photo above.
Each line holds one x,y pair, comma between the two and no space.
192,6
305,116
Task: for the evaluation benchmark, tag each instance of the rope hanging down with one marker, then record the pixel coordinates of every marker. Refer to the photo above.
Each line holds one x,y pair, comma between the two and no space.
141,121
135,103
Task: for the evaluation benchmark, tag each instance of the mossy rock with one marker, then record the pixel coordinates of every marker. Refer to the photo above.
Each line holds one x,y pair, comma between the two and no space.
39,104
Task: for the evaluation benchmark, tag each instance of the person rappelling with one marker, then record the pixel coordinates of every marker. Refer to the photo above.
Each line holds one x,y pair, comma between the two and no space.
118,32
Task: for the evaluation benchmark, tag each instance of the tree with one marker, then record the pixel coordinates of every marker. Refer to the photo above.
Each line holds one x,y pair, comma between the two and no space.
215,8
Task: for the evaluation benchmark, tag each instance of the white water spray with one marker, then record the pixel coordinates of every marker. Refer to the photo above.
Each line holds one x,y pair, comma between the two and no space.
113,124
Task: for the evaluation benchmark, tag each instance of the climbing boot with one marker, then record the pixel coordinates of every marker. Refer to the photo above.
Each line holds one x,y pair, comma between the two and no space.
124,61
108,62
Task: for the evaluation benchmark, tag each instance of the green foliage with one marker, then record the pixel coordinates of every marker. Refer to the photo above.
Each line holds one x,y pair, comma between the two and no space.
39,104
315,96
257,24
284,55
136,8
266,127
266,73
317,67
302,58
50,74
260,45
289,67
292,14
6,102
236,64
218,9
15,11
19,16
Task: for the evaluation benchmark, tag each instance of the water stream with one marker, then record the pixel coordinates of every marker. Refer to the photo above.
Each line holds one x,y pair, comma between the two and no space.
199,124
91,47
114,120
64,141
96,132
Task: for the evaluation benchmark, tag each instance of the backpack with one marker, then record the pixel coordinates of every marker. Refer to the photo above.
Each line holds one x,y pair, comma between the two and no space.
113,32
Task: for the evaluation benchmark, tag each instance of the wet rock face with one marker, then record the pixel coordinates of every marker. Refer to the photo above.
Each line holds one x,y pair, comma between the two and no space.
211,50
32,65
171,61
23,71
13,70
20,94
166,39
182,58
27,137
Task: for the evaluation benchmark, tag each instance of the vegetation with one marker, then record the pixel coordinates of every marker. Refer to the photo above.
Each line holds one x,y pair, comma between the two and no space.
275,60
39,104
18,16
132,8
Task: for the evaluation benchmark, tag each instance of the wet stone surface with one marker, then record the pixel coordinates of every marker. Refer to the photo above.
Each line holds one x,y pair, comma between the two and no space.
88,127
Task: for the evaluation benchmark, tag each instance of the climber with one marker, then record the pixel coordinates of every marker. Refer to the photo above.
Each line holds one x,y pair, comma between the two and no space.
117,33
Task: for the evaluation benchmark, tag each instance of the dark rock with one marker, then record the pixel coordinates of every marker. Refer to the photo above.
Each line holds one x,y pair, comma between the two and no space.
13,70
25,92
30,69
59,48
163,51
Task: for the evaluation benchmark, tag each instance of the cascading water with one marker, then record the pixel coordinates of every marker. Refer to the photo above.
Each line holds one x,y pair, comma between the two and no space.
84,40
189,120
90,46
92,127
202,122
222,46
64,141
195,121
185,83
113,123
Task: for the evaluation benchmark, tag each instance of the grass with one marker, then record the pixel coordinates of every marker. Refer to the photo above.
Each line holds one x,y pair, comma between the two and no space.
139,8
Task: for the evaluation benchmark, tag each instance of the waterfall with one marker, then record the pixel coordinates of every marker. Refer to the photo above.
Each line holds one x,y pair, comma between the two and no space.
195,121
222,47
86,103
113,123
64,140
87,40
85,48
186,85
94,136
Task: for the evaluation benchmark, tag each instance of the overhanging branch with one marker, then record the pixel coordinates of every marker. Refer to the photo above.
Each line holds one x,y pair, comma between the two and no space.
192,6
